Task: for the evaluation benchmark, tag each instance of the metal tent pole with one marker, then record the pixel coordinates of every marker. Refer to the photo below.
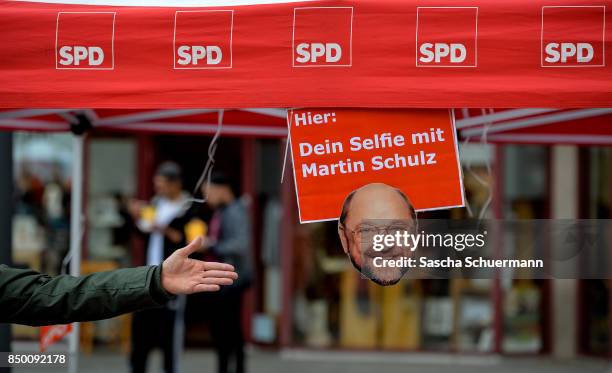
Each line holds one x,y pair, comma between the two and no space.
76,229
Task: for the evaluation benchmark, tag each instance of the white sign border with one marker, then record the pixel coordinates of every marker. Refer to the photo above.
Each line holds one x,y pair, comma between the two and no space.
603,36
416,37
204,67
86,68
350,64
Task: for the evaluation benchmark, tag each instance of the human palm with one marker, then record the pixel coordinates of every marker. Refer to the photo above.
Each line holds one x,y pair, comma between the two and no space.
183,275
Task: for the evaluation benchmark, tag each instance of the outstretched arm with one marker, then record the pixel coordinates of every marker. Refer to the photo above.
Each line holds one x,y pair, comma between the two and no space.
28,297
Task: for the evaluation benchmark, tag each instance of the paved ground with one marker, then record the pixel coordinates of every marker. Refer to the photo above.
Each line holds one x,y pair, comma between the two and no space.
299,361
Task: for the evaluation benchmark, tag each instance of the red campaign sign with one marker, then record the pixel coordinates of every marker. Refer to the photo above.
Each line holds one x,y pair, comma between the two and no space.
203,39
85,40
337,151
573,36
447,37
52,334
322,36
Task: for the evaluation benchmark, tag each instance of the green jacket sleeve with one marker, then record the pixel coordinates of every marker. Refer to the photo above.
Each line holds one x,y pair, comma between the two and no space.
28,297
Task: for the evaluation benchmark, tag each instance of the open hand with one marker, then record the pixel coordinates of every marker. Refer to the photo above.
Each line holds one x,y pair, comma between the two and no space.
183,275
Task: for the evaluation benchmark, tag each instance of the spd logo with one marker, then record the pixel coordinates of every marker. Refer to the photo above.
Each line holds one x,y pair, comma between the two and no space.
85,41
322,36
446,36
573,36
203,39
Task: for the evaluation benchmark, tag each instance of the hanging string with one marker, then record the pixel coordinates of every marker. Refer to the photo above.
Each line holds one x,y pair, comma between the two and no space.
484,141
480,180
468,166
68,257
287,145
210,163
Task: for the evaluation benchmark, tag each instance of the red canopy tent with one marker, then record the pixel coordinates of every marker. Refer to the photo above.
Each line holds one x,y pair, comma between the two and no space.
39,120
273,53
247,122
189,57
536,126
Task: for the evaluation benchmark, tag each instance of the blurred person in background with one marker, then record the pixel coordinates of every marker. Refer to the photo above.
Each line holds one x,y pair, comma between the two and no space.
30,190
56,205
158,327
229,240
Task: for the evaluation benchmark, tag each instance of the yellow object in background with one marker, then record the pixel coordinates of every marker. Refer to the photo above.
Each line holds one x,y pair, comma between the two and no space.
194,229
401,315
358,325
148,214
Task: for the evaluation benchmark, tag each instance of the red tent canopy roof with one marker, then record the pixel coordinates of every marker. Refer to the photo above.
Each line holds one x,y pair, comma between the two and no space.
536,126
530,126
249,122
331,53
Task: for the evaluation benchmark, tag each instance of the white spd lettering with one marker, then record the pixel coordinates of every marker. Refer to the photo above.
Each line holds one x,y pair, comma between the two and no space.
437,52
194,54
311,52
76,55
562,52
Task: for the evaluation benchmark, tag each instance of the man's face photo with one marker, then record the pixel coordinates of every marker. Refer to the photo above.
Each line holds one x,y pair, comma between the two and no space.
375,209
